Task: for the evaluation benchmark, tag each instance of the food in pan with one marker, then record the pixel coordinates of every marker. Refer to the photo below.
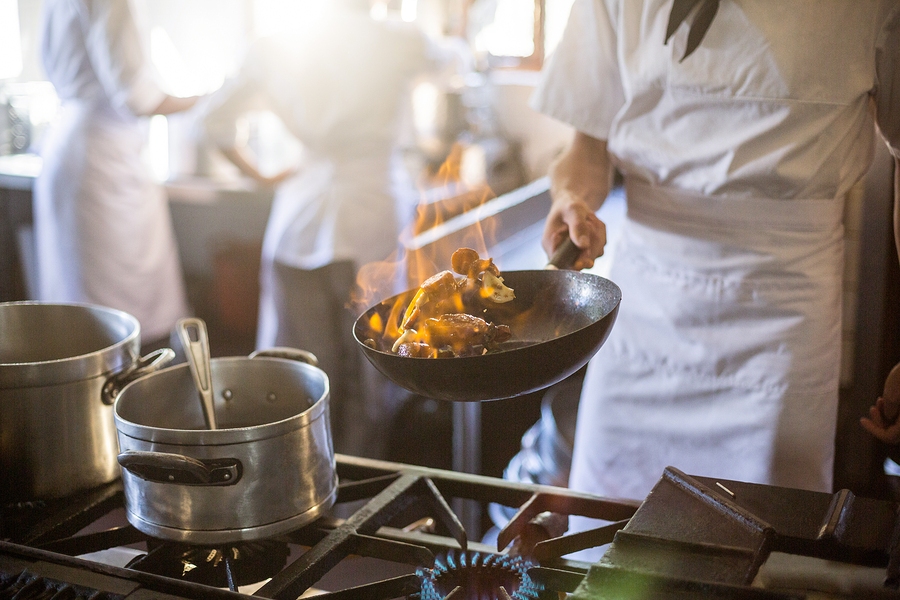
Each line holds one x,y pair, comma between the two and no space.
453,334
442,320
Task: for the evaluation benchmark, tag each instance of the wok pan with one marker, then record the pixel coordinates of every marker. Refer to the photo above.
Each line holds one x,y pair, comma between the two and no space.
558,321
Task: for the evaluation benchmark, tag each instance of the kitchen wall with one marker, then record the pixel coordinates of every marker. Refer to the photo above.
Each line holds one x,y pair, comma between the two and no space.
541,138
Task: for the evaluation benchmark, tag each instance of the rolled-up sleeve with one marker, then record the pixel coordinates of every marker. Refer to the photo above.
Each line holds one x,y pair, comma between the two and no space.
581,84
118,56
887,91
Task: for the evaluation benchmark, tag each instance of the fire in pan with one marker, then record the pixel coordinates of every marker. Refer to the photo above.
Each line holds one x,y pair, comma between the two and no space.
558,320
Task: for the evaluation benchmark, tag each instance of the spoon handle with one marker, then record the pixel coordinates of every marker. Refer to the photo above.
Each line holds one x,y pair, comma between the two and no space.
195,340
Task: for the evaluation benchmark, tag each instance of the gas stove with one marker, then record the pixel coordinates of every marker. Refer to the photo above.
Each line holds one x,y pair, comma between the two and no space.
394,533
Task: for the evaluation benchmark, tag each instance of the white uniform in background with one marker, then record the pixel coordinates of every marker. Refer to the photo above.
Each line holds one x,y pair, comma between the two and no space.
103,231
340,82
724,360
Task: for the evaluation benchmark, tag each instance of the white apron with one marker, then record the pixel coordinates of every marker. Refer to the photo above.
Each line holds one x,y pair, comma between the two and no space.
724,359
103,230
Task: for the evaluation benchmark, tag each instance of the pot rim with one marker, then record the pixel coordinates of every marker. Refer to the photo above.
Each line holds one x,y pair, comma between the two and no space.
102,362
223,435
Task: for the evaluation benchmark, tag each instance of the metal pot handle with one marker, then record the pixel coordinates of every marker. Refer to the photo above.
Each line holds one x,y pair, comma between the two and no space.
289,353
154,361
165,467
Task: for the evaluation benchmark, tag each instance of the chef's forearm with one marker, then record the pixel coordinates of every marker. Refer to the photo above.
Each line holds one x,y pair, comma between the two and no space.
175,104
583,172
242,161
579,184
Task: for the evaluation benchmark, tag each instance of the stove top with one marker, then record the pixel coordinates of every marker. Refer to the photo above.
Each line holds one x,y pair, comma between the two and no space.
394,533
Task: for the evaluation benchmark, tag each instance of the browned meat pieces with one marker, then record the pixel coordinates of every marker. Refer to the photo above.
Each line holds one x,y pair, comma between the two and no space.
456,334
440,320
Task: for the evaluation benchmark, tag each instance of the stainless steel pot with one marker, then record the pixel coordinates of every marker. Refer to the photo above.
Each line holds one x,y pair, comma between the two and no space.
268,468
61,366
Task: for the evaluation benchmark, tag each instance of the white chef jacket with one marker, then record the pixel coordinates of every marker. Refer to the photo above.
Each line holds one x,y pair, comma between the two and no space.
103,231
724,359
338,83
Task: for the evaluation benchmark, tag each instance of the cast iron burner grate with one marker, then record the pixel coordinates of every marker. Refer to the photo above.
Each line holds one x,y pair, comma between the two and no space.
28,586
381,502
691,537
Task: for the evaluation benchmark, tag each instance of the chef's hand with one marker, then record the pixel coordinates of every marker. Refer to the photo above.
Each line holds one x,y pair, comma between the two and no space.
246,162
176,104
883,421
274,180
579,183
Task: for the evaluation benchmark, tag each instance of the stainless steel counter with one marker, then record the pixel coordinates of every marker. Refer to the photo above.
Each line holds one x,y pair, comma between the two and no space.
209,216
18,171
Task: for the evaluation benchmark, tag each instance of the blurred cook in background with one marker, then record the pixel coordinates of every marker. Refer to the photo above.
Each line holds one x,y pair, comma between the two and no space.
103,232
340,81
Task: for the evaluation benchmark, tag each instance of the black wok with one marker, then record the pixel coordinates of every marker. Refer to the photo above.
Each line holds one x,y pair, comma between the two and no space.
558,320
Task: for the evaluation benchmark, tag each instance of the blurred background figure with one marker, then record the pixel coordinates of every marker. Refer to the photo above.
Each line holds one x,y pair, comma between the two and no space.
340,82
103,232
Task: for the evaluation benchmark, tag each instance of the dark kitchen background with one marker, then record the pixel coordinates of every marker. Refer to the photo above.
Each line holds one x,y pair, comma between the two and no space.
499,149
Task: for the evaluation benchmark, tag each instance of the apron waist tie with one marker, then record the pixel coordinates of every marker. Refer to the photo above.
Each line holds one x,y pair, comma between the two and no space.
652,203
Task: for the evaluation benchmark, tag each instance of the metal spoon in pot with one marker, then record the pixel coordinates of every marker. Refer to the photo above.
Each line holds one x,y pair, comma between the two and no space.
192,332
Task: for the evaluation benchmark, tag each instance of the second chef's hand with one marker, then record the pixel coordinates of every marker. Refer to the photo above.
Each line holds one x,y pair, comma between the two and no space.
883,421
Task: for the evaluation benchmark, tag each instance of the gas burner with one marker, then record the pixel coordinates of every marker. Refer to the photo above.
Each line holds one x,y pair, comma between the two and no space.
479,576
16,517
22,506
229,565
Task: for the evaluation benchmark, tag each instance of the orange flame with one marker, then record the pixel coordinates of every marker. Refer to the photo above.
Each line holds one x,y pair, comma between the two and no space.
427,244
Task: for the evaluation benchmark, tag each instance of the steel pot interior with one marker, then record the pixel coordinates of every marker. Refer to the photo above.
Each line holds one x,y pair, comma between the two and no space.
48,344
254,398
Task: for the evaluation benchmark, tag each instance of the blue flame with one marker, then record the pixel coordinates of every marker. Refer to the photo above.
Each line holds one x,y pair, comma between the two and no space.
480,575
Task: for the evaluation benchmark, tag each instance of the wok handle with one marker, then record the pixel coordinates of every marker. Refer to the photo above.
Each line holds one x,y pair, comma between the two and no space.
564,256
289,353
154,361
165,467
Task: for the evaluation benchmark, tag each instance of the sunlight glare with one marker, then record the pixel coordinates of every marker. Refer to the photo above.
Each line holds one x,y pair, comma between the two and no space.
271,17
408,10
10,45
158,147
512,31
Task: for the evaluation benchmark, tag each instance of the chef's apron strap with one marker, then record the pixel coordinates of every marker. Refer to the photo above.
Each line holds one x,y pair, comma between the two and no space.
648,203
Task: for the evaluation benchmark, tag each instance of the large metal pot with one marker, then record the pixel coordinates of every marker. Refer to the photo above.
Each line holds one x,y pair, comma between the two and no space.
268,468
61,366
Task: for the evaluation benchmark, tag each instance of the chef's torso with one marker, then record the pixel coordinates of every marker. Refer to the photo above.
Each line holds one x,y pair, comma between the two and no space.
724,359
774,103
93,53
340,85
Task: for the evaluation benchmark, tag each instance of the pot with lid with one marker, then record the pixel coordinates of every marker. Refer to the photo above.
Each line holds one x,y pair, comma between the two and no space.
266,469
61,366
